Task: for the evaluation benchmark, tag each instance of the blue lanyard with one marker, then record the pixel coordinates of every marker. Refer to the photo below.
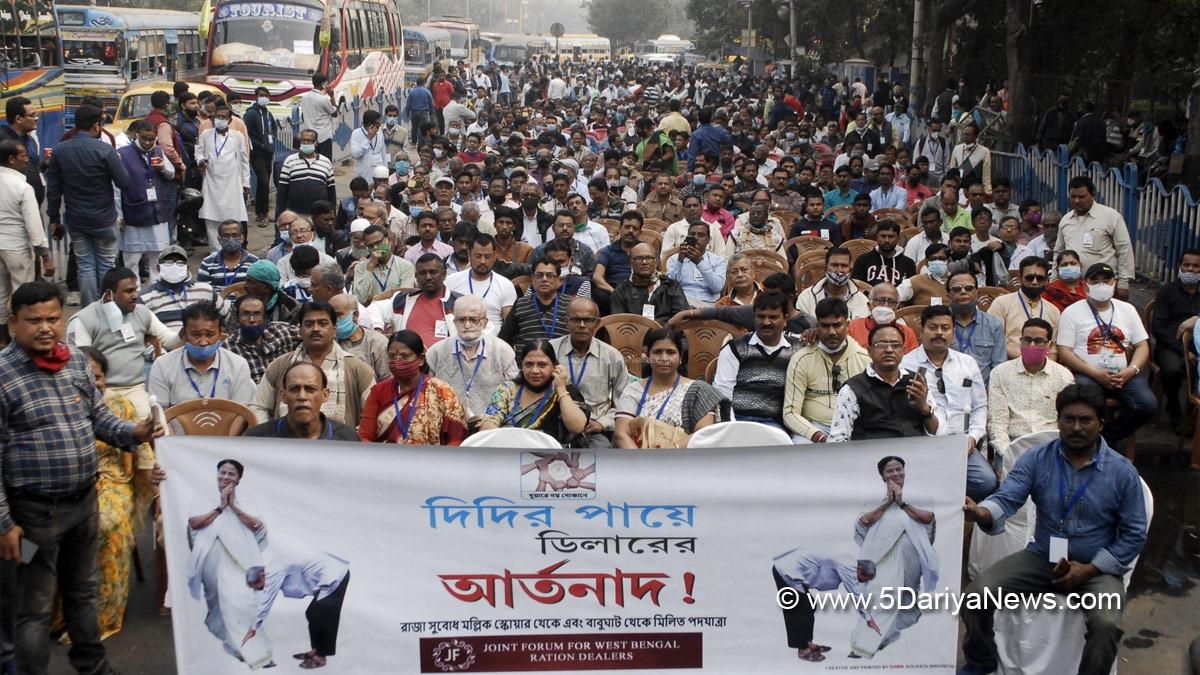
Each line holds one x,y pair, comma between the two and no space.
230,277
216,378
412,408
370,142
554,323
571,365
512,415
661,408
471,285
218,148
175,298
1106,327
1062,486
386,279
462,372
328,428
964,345
1028,315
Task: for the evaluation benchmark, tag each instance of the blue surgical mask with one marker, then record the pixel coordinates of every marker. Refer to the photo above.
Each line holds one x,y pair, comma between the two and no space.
415,211
402,167
1070,272
307,148
252,333
285,236
346,327
202,353
938,268
263,101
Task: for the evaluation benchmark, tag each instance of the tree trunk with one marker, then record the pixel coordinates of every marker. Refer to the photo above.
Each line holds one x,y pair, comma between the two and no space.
935,61
1021,115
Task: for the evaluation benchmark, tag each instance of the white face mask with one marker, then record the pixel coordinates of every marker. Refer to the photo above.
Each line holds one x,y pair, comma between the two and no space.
173,273
112,314
1101,292
831,350
883,315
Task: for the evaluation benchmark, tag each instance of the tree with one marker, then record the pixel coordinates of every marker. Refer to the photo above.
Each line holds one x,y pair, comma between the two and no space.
627,21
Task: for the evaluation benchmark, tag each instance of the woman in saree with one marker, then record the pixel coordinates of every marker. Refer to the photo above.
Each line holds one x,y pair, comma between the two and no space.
226,540
896,550
666,408
541,397
412,407
127,484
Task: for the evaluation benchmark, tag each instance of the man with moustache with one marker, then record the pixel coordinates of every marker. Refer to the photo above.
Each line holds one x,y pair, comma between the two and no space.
596,369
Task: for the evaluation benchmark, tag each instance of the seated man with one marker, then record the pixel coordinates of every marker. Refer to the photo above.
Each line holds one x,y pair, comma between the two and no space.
301,260
868,405
1076,548
928,287
427,231
227,266
752,369
474,365
304,389
976,333
959,392
887,263
381,270
1103,342
583,258
595,368
202,369
1021,389
1014,309
480,280
612,261
428,311
369,346
699,271
815,373
836,284
258,340
175,291
646,292
573,285
883,300
1177,302
540,314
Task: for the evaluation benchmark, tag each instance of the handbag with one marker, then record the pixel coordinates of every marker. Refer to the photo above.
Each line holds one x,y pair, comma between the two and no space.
648,432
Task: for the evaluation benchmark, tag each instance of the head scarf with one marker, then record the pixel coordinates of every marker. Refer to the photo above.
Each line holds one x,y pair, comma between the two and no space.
266,272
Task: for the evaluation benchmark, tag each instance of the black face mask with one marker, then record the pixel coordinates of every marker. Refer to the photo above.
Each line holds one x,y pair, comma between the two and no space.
1033,293
529,203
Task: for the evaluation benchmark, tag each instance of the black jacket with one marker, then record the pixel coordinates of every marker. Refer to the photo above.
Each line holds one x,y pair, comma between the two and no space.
262,127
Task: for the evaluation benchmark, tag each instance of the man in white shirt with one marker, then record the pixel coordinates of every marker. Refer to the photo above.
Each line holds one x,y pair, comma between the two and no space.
1097,233
317,110
474,365
752,369
957,387
973,160
1103,342
22,236
367,146
1022,391
557,88
836,284
587,232
699,271
888,195
480,280
322,576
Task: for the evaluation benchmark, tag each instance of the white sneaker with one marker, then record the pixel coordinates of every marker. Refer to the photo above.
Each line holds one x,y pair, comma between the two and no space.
73,299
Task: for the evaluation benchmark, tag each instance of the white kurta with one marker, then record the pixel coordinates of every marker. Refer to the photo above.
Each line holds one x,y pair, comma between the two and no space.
226,175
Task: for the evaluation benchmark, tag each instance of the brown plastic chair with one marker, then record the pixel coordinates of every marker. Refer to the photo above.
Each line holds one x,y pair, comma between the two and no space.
907,233
656,224
210,417
839,212
911,316
236,290
898,216
858,247
613,227
809,274
705,337
807,243
625,332
862,285
762,258
666,258
522,284
817,255
786,217
651,237
989,293
710,373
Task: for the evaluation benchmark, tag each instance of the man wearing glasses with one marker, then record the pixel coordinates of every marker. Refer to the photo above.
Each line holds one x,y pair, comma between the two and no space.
1022,391
816,373
596,368
20,124
977,334
883,300
958,389
470,362
1014,309
885,400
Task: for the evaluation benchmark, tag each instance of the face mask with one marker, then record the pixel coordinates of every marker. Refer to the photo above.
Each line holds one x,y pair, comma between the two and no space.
1033,293
1032,355
385,250
698,179
438,153
404,370
838,278
938,268
529,203
613,184
883,315
304,282
1101,292
551,128
831,350
113,315
1070,272
144,147
935,134
307,148
231,245
346,327
392,120
202,353
221,124
285,235
252,333
173,273
472,340
263,101
1189,278
415,211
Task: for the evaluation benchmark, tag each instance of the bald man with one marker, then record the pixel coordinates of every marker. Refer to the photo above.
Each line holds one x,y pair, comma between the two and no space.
369,346
305,388
883,301
645,292
595,368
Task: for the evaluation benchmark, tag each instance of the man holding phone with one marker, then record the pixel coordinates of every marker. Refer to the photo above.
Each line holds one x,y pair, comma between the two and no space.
367,147
700,272
886,401
318,107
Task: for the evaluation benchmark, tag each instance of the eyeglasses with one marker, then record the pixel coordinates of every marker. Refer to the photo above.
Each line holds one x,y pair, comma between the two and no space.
886,302
582,320
545,275
642,258
304,231
963,288
1037,342
889,346
941,381
1035,277
469,320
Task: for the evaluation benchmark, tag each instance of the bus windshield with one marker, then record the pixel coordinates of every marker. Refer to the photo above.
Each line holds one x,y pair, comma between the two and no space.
414,52
511,53
458,38
266,34
91,54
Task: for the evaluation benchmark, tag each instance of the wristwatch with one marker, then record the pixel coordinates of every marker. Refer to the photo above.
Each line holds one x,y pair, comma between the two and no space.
926,415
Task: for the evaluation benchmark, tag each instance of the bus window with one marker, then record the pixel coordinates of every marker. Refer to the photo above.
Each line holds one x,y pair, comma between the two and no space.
91,54
134,64
335,51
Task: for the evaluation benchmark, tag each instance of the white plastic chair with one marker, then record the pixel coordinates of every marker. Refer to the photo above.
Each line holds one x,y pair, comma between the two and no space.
738,435
512,437
987,550
1049,642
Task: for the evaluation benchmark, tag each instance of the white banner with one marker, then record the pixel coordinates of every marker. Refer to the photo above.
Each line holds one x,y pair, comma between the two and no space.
387,559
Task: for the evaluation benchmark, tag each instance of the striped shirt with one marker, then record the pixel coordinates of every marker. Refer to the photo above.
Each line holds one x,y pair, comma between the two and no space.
168,304
304,181
530,320
651,95
215,273
48,428
278,339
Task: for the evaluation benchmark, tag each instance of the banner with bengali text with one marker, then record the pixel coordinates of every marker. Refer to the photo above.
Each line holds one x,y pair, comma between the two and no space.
387,559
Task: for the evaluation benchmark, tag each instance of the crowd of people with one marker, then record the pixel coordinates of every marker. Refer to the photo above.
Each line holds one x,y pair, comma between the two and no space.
876,282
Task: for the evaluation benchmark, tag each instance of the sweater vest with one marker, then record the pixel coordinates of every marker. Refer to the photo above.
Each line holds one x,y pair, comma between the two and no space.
761,380
883,409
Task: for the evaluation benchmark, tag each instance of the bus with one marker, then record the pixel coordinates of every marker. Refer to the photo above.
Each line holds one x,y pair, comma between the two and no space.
357,44
663,49
30,65
424,47
464,38
106,50
508,49
581,47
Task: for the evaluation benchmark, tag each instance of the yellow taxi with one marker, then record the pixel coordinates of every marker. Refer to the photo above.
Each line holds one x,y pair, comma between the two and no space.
135,102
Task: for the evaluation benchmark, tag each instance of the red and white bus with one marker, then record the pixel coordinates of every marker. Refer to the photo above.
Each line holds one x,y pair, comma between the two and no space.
357,44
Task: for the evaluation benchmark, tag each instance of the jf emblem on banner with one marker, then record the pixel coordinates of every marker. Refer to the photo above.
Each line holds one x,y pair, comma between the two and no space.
384,559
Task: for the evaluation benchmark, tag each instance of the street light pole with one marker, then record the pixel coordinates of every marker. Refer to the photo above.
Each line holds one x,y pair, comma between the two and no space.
749,4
